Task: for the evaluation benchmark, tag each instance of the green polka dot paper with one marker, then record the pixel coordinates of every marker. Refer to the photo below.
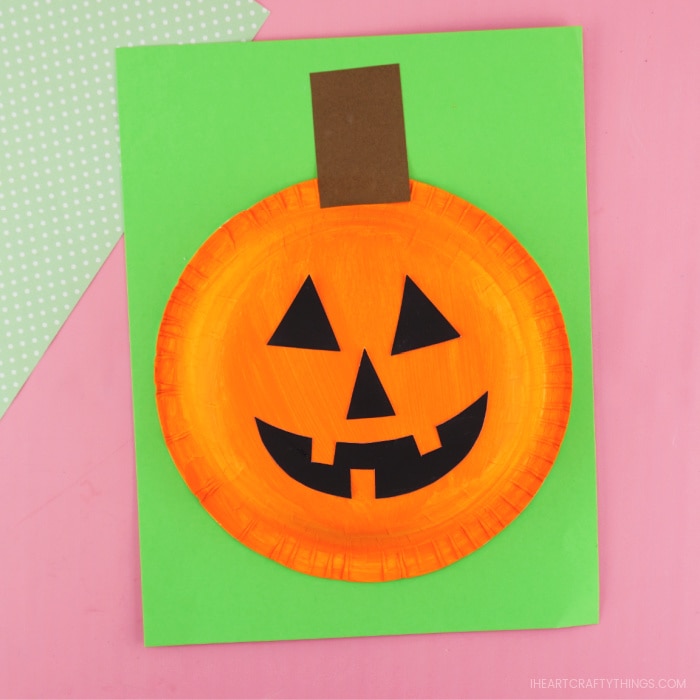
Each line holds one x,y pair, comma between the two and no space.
60,191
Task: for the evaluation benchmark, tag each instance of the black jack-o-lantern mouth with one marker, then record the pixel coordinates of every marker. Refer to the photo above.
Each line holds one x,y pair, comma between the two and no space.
398,466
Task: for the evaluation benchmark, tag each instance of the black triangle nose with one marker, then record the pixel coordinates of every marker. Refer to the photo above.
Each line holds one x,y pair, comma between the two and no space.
369,400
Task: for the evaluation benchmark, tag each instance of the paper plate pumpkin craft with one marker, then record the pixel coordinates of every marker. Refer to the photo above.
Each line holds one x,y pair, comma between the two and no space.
363,377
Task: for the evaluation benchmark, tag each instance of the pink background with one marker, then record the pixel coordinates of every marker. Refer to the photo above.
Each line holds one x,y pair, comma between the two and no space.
70,616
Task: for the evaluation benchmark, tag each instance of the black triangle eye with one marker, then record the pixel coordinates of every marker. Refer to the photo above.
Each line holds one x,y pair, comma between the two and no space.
305,325
420,323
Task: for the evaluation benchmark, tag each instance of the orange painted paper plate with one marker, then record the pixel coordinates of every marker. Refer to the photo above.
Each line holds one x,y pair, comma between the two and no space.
366,392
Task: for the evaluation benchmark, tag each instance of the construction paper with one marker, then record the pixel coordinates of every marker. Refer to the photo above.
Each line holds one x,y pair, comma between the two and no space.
369,398
306,324
420,322
60,197
359,135
493,117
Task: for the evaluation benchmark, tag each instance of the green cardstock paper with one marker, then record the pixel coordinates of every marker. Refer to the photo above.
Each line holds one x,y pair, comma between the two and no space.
207,131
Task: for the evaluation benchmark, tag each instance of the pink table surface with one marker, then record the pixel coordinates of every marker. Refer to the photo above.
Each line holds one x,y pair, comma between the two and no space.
70,616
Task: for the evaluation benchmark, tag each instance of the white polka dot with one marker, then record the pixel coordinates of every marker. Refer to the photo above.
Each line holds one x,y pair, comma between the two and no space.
59,179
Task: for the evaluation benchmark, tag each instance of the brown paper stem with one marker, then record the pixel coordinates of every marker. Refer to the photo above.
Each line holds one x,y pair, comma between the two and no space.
360,136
